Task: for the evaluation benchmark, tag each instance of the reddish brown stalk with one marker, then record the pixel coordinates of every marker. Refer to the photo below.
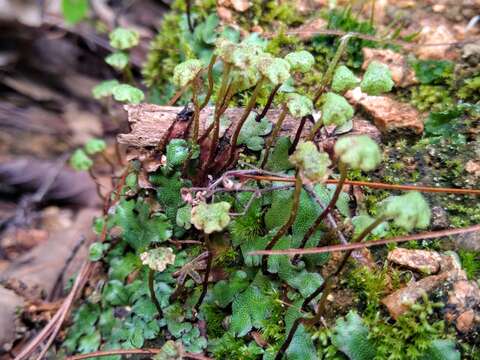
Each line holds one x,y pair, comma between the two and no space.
210,81
151,288
298,134
273,136
268,104
373,185
177,95
282,231
207,273
345,247
246,112
132,352
343,176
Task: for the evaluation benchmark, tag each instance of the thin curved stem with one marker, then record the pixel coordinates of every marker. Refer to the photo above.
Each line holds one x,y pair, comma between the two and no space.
327,78
210,82
248,109
273,136
189,16
342,264
313,132
207,273
196,113
268,104
372,13
338,190
282,231
288,340
345,247
220,107
178,94
325,289
298,134
151,288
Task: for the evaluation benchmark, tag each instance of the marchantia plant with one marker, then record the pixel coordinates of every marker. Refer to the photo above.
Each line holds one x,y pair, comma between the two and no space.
182,273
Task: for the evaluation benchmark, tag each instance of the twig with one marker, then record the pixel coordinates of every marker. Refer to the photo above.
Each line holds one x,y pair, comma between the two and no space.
52,328
372,38
330,218
74,252
133,352
345,247
79,282
373,185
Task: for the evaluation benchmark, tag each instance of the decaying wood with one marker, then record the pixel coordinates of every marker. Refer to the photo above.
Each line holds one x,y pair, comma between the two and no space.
149,123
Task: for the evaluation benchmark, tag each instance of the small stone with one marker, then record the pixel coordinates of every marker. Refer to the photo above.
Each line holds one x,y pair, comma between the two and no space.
241,5
390,115
450,261
309,30
224,14
439,218
400,301
473,167
467,241
427,262
9,305
463,299
465,321
464,295
402,74
434,32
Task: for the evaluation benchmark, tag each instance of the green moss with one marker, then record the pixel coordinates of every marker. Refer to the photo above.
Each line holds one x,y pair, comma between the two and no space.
213,317
470,263
410,335
431,97
461,215
267,13
470,89
370,287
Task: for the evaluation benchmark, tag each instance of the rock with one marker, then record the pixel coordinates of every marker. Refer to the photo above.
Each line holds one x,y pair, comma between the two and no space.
435,32
9,304
241,5
473,167
450,261
40,267
388,114
468,241
465,321
308,30
471,53
427,262
439,218
402,74
462,305
224,14
400,301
